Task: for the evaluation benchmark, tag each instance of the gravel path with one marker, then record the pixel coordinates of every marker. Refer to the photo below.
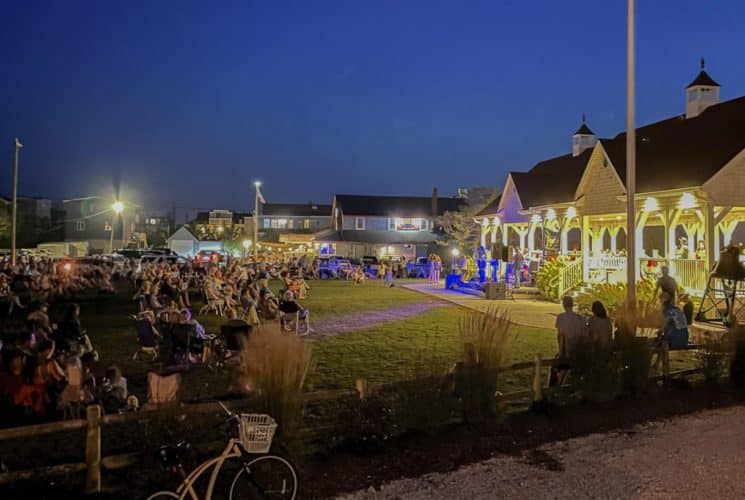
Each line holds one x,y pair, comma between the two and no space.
700,456
367,319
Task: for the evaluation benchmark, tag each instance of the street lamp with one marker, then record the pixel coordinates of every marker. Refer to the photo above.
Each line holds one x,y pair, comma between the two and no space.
246,245
454,253
118,208
14,221
257,198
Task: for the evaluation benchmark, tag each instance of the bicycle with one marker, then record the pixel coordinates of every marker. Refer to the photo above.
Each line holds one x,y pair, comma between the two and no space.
258,477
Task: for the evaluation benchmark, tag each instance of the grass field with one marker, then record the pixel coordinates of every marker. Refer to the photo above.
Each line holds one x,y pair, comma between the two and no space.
378,352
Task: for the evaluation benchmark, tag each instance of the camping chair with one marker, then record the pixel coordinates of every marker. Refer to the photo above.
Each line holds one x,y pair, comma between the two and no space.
148,342
162,390
212,305
288,319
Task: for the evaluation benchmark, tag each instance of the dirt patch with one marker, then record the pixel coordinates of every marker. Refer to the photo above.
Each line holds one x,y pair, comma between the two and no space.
360,321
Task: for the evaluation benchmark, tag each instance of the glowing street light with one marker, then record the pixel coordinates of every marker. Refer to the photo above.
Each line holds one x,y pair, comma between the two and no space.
118,208
247,244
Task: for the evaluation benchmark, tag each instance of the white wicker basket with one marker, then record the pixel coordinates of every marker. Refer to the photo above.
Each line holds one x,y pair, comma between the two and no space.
256,432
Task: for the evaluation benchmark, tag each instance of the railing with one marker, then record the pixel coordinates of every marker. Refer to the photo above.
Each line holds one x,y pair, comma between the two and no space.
691,274
607,262
570,276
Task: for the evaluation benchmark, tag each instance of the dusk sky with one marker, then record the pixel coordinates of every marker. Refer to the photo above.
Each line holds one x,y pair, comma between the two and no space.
189,102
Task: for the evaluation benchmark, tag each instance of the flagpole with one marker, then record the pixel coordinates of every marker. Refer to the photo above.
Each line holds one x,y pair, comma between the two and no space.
631,262
257,184
14,222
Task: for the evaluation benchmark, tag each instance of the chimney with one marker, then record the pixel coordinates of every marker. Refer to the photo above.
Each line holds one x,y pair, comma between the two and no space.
434,203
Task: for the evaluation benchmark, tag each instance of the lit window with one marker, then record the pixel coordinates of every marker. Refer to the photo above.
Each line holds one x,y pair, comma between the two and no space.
267,223
80,225
290,224
359,223
107,226
306,224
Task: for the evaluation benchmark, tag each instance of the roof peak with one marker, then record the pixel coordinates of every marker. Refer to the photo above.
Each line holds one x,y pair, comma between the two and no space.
583,128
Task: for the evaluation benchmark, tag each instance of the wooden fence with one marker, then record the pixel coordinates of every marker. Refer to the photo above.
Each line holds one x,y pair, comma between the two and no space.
95,422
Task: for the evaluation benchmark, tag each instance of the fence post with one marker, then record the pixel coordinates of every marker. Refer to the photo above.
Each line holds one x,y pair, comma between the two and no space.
665,347
537,383
93,450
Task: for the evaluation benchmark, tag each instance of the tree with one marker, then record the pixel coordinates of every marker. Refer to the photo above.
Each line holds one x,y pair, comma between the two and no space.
459,226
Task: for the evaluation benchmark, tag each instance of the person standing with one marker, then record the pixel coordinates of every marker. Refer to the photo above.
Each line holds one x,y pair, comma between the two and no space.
666,284
517,265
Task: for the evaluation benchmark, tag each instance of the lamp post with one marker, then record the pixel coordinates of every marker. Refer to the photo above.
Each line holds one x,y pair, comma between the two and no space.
14,216
118,208
257,185
454,253
630,162
246,245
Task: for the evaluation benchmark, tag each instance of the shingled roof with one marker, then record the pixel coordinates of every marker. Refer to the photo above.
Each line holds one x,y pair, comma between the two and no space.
296,210
703,78
679,152
395,206
551,181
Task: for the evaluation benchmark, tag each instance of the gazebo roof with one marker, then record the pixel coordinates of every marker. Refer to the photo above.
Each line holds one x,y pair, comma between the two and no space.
678,152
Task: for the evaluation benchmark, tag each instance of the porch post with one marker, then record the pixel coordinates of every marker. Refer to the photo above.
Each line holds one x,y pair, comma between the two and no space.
709,226
564,241
728,229
531,236
585,247
691,230
672,225
505,234
717,240
614,238
639,240
493,232
484,229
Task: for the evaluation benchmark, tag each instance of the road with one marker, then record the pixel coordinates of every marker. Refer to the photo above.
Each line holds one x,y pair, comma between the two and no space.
700,456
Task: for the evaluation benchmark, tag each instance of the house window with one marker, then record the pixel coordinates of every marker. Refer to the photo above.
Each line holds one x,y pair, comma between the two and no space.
359,223
409,224
306,224
107,226
290,224
80,225
391,224
267,223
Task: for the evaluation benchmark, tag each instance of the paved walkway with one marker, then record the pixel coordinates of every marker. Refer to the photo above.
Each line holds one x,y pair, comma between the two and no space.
367,319
523,311
699,456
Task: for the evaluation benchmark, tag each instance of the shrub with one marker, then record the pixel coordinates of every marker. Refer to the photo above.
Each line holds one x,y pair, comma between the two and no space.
276,365
710,358
595,372
487,338
547,278
635,356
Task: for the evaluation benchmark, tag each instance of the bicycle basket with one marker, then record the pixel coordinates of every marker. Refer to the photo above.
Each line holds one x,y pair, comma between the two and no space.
256,432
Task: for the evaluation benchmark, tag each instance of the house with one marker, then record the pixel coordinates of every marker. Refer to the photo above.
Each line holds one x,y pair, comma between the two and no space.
36,221
214,222
92,219
690,195
385,226
184,242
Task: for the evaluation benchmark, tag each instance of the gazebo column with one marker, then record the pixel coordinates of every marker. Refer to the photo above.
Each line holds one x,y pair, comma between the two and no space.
505,235
614,238
585,247
672,218
709,226
522,232
641,221
564,241
728,229
691,230
597,241
484,230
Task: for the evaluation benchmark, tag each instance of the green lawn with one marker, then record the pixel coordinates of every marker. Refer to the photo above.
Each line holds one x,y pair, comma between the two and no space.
381,353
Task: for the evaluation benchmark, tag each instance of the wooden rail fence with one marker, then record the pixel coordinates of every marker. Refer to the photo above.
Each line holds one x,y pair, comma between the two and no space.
95,422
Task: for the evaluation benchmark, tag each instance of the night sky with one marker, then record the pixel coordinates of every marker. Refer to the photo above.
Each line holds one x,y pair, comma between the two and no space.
188,102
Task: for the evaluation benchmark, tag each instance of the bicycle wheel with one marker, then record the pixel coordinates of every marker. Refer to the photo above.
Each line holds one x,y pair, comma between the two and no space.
268,476
162,495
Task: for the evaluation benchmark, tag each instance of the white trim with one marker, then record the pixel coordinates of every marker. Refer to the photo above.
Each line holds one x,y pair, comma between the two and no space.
357,225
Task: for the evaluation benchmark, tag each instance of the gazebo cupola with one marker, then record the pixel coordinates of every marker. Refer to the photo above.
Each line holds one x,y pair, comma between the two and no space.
583,138
701,93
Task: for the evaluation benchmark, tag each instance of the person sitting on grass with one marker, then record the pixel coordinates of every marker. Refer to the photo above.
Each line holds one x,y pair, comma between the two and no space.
359,276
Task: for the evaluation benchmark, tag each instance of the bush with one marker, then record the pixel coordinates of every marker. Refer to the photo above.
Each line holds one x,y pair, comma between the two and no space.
595,372
635,356
487,338
547,278
711,358
275,366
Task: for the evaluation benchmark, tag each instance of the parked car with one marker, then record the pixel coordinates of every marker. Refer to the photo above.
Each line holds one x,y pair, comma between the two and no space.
159,259
419,268
370,265
334,268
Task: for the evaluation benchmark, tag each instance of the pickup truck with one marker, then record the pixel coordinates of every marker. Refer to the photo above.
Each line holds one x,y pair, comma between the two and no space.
334,268
419,268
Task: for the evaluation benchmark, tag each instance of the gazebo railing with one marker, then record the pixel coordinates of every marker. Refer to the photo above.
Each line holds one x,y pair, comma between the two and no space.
570,276
691,274
607,262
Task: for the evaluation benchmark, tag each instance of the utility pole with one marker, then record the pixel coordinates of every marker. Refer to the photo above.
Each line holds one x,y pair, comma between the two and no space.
14,223
630,162
257,184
